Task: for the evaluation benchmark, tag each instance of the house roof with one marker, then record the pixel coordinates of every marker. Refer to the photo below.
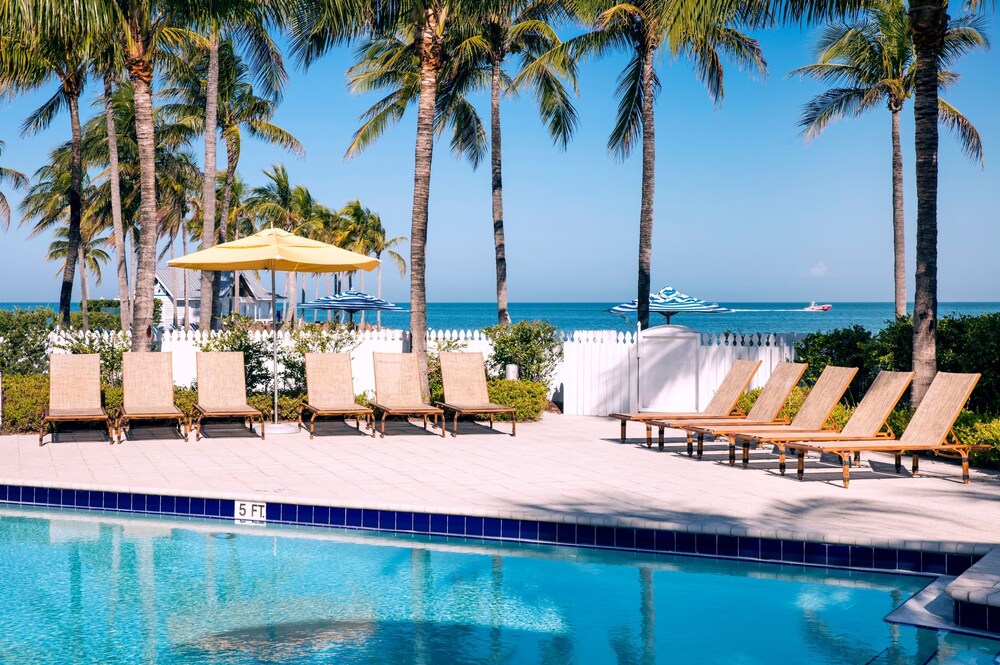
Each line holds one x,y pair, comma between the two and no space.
170,278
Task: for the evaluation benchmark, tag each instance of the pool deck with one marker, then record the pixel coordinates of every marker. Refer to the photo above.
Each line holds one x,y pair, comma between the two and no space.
562,469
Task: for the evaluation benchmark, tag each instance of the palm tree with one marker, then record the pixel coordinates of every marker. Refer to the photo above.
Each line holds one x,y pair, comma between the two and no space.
523,28
90,257
426,24
695,31
238,106
362,231
16,180
871,62
35,50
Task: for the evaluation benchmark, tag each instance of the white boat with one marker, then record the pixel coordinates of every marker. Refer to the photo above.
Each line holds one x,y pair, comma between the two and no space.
813,307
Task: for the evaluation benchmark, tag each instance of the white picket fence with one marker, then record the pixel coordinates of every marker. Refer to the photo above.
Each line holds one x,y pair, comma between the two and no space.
602,371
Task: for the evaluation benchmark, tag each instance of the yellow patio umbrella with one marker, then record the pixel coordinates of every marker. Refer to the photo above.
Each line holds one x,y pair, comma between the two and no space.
273,249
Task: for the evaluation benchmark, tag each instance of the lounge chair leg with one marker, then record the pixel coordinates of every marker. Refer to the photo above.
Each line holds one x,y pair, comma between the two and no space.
444,425
800,470
732,452
425,422
916,464
312,426
261,427
746,454
623,431
371,423
965,467
846,461
183,426
513,427
491,421
383,424
899,463
781,459
454,427
649,435
701,445
857,458
197,431
41,434
690,443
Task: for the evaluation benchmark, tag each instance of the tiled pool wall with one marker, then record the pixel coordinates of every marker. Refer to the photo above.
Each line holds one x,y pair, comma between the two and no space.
977,617
511,530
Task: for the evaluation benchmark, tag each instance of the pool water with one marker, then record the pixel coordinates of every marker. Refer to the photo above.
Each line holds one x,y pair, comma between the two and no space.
103,588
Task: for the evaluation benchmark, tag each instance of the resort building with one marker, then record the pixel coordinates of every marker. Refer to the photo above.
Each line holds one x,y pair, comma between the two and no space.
180,291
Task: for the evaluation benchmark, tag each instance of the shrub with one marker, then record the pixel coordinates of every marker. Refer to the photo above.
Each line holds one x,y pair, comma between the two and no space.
534,346
788,411
846,347
288,405
24,399
24,339
529,398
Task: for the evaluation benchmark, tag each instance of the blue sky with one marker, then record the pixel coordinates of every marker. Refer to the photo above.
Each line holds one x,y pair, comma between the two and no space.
745,211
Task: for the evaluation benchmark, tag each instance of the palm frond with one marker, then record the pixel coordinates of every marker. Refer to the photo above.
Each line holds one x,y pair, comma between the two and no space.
967,135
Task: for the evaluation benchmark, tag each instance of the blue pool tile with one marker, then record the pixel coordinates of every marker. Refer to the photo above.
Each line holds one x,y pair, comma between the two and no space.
13,493
3,492
793,551
933,562
687,543
605,536
529,530
27,495
456,525
227,507
749,548
138,502
770,549
474,526
586,534
42,495
565,534
182,506
548,532
289,512
96,498
353,517
421,522
168,504
153,504
993,619
212,507
956,564
404,521
113,499
727,546
321,515
969,615
387,520
273,512
625,538
644,539
666,541
510,529
304,516
884,558
815,553
338,517
862,557
838,555
491,527
908,560
369,518
55,496
439,524
704,543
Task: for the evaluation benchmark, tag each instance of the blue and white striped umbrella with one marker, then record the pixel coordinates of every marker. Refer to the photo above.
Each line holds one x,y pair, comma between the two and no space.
669,301
352,301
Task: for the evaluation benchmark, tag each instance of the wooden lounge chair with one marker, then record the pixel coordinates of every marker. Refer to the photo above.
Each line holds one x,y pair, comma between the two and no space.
722,404
465,391
766,410
330,388
222,390
74,392
148,391
928,430
812,416
397,389
867,422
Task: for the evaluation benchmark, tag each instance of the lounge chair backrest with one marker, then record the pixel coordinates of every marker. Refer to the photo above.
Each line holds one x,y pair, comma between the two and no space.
75,382
329,380
222,381
784,377
464,378
821,400
733,385
939,409
147,381
875,407
397,379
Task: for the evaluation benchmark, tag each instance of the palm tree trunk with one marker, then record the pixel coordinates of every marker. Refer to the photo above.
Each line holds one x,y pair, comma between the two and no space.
232,159
430,63
141,73
75,209
361,287
187,305
210,279
118,229
648,184
84,289
503,315
173,279
898,220
378,314
928,23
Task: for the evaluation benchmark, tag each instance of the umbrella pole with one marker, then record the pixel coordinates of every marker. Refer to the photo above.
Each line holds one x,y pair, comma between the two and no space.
274,332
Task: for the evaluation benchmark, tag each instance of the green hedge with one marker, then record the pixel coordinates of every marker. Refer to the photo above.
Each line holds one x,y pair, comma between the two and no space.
529,398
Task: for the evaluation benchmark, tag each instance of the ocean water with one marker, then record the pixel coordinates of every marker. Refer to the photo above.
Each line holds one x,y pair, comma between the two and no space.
83,588
762,317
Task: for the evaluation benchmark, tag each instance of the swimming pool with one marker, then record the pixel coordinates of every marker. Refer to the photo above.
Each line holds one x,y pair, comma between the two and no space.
109,588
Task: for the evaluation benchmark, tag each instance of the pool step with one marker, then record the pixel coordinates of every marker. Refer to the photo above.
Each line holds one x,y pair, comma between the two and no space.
975,595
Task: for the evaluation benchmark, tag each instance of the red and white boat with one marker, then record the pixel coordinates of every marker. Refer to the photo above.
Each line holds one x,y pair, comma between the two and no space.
813,307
